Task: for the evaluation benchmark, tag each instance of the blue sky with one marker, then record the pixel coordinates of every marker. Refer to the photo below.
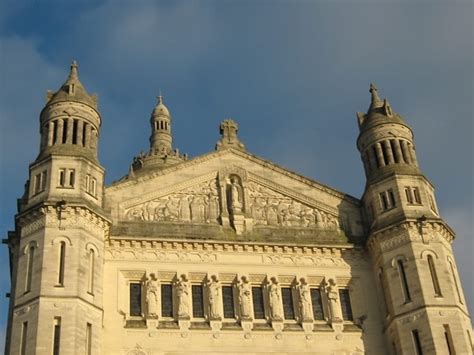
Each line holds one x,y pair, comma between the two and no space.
291,73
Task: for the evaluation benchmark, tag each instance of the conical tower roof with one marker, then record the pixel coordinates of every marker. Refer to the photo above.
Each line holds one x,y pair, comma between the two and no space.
73,90
379,112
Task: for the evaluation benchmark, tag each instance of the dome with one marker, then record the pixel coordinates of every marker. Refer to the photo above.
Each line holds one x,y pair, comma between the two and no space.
160,109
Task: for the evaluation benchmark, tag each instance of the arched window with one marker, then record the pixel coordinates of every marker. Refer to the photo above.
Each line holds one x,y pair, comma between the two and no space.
29,267
455,280
61,260
403,280
434,277
90,283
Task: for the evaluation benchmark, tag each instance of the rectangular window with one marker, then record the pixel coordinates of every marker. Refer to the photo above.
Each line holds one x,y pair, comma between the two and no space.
384,201
417,343
62,258
166,301
416,194
403,280
449,339
345,304
198,301
89,339
258,306
62,178
287,299
24,335
408,195
44,176
37,186
391,198
135,299
432,204
71,177
317,303
57,336
228,301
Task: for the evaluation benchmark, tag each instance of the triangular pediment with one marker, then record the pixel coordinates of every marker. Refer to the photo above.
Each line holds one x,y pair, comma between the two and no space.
230,188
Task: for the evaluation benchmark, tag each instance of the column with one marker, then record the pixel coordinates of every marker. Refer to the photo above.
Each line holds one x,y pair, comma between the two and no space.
378,151
80,129
87,136
388,149
372,161
59,131
50,133
405,151
398,151
70,125
411,148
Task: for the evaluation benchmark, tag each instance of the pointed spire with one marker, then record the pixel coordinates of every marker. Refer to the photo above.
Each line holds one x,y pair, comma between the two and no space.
375,100
73,73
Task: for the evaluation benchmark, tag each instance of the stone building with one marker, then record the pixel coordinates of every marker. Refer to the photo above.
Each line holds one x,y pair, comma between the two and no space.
227,252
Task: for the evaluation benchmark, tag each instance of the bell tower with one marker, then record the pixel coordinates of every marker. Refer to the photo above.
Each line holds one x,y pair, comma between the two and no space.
57,247
410,244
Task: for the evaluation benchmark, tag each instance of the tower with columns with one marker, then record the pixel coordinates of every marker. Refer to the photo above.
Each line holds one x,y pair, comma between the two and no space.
227,252
423,305
57,248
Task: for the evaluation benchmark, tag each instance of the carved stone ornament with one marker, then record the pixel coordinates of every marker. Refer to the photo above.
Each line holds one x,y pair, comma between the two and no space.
182,292
214,290
333,300
274,295
244,298
152,286
197,204
304,300
268,207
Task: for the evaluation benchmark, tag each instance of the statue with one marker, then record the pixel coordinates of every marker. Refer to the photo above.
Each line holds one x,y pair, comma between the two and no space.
214,297
235,196
182,292
152,296
304,300
333,298
244,298
275,300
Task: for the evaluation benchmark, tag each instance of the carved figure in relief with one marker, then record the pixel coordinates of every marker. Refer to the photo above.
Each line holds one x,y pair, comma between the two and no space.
182,292
214,288
276,311
152,296
304,300
213,213
184,209
198,209
244,298
236,197
333,298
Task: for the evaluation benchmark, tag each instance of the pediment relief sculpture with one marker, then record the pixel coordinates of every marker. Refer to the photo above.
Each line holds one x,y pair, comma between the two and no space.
198,204
268,207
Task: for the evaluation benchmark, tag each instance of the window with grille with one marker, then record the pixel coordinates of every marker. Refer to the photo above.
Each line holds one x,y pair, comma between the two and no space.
135,299
317,304
166,301
258,306
287,299
198,301
228,301
346,306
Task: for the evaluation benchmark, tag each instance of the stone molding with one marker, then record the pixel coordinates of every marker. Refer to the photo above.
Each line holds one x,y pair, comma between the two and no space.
48,216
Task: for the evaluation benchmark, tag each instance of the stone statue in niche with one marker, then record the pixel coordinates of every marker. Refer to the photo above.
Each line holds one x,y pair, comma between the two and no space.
182,292
152,286
304,300
333,298
214,289
274,295
244,298
236,196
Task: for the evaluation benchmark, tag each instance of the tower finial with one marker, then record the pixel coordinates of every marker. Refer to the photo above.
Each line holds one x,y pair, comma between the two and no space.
73,73
160,98
375,100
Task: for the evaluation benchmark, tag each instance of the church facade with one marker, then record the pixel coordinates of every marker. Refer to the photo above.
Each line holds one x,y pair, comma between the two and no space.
227,252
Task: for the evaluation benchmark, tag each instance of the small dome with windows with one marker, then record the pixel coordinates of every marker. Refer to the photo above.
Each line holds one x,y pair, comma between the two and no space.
160,109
